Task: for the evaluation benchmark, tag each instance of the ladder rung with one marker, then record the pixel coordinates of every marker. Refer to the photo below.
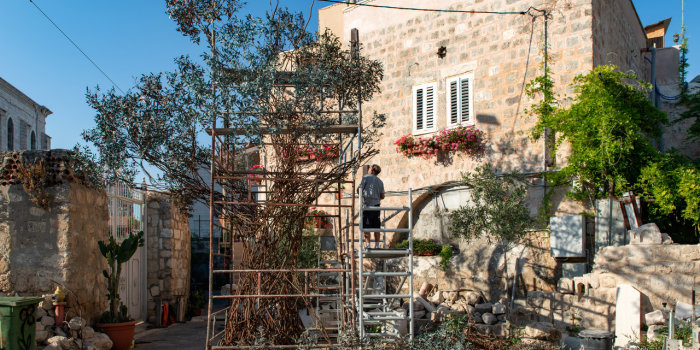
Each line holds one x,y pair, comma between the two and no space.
381,313
379,273
330,286
383,296
385,208
386,230
388,318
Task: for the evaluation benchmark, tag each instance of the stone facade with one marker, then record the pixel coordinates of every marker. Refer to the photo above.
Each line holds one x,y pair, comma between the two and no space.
42,248
28,117
662,273
502,53
168,259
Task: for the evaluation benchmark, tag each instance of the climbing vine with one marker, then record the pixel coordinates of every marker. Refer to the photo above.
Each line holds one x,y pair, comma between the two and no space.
35,181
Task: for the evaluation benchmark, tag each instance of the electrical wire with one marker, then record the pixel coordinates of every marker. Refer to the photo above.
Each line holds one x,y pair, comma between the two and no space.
76,46
430,10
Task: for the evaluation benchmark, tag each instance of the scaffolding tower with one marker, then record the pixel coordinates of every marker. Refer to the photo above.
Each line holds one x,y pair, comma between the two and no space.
378,316
324,286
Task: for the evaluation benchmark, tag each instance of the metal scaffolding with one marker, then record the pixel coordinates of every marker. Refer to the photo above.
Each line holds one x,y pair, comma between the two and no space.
378,317
328,302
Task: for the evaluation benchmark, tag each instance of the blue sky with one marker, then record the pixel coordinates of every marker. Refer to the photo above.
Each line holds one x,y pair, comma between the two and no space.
130,37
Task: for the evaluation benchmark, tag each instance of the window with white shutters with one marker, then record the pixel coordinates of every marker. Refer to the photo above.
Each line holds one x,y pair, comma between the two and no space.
459,100
424,108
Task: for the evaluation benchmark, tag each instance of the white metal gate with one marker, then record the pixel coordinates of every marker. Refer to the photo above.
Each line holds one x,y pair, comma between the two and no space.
127,209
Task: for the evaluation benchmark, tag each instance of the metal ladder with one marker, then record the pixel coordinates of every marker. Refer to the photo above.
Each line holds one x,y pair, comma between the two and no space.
375,303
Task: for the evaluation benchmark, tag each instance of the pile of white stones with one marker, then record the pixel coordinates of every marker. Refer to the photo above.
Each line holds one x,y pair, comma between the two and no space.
489,318
72,335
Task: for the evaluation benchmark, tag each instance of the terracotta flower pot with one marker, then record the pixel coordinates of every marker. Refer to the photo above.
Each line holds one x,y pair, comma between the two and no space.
121,334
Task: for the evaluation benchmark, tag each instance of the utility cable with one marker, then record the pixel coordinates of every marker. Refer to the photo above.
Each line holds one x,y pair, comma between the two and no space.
430,10
76,46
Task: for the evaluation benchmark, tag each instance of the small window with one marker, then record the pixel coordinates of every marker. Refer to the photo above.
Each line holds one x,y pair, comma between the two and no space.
424,108
459,100
32,141
10,135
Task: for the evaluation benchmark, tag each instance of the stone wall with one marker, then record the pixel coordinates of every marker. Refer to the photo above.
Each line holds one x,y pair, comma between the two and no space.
662,273
42,248
168,236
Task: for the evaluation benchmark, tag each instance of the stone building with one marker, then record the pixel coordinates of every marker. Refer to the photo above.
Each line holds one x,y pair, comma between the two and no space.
444,69
22,121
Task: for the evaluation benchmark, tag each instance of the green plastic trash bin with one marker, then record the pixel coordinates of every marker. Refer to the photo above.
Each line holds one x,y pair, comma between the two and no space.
17,321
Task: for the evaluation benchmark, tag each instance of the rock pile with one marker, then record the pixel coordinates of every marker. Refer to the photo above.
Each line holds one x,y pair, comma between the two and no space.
489,318
72,335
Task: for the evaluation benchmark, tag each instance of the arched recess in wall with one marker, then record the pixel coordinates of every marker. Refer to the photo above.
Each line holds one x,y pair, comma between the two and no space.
419,202
10,134
32,141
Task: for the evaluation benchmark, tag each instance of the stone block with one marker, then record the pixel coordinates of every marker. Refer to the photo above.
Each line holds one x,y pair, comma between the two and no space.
565,286
472,297
489,318
628,318
437,298
654,332
47,321
483,308
646,234
498,309
657,317
429,307
683,311
543,331
100,341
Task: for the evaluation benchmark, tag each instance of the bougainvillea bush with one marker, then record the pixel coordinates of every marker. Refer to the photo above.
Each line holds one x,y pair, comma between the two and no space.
465,139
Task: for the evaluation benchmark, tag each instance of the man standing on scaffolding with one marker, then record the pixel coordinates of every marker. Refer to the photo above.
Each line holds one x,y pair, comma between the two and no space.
372,189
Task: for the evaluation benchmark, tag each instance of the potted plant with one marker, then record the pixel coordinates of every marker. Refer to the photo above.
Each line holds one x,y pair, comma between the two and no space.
197,302
318,219
256,178
339,187
116,322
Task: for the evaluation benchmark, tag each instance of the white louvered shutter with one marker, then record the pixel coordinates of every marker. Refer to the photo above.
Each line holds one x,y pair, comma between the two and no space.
429,107
424,108
454,102
464,100
420,125
459,101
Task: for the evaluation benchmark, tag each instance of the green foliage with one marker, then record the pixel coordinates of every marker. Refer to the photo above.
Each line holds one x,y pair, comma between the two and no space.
690,98
609,127
307,258
683,59
674,182
159,123
498,208
197,299
116,254
575,327
683,330
445,255
421,246
448,335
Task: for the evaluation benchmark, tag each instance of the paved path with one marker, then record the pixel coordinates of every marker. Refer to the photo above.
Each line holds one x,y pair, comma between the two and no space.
180,336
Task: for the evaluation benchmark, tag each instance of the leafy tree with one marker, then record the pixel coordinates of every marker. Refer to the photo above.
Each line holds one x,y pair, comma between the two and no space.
609,127
257,78
690,98
674,183
160,122
497,211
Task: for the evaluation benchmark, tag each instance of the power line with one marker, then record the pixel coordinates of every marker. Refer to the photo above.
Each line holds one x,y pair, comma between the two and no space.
76,46
430,10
